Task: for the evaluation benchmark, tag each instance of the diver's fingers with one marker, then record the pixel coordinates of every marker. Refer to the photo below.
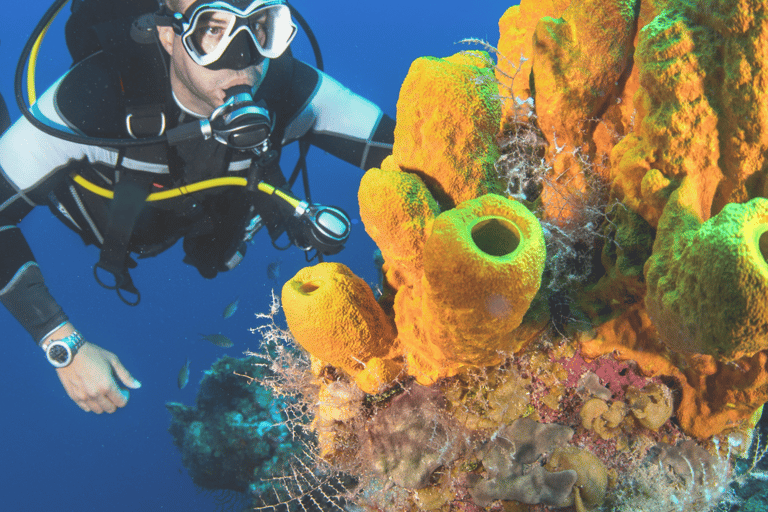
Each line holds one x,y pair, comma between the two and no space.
87,396
124,375
114,398
78,398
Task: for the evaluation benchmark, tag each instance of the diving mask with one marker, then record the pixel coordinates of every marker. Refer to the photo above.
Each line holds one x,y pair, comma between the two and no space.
232,34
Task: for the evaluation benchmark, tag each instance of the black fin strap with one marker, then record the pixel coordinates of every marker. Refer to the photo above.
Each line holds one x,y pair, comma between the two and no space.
130,194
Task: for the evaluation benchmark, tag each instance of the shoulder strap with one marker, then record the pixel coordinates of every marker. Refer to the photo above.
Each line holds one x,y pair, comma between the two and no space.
143,74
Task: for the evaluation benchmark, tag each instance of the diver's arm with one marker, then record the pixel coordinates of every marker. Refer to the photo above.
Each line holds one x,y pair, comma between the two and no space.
31,164
344,124
22,288
91,379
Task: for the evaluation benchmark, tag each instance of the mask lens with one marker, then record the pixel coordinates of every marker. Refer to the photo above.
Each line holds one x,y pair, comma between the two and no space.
258,26
210,31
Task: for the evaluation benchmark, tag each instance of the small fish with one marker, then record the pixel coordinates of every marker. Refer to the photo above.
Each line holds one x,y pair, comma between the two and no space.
273,270
183,378
218,339
231,308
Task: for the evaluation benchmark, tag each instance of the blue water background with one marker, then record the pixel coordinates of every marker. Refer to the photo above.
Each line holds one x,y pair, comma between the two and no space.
53,456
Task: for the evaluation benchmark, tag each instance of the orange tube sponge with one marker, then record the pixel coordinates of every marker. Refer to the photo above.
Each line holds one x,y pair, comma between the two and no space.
516,47
482,267
447,119
708,282
332,314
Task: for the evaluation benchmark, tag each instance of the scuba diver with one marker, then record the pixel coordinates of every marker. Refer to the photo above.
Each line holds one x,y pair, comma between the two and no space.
171,131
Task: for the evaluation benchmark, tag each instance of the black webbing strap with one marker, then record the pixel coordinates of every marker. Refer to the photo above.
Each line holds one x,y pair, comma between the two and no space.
301,166
130,195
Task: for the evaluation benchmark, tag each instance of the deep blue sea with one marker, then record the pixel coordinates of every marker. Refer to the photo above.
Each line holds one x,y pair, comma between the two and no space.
53,456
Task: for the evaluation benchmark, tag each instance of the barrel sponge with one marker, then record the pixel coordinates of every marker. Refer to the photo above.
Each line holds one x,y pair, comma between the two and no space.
332,314
708,294
396,209
483,263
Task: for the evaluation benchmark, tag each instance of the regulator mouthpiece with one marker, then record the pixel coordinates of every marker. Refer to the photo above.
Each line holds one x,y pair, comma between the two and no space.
240,122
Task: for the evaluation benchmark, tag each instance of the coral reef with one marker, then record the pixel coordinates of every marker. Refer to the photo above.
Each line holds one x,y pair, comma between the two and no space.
511,470
463,277
235,436
407,440
575,275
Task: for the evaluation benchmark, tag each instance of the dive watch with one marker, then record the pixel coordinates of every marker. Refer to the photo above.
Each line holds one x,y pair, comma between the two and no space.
60,352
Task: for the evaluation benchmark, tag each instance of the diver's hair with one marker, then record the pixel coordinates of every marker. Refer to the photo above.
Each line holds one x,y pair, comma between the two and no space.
174,5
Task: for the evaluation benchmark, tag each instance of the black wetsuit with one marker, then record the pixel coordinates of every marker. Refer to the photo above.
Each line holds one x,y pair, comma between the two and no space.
37,169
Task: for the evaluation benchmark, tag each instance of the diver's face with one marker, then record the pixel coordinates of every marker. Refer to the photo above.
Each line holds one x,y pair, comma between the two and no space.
198,88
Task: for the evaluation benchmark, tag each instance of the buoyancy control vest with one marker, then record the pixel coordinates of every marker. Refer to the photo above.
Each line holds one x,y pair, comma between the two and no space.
123,33
120,71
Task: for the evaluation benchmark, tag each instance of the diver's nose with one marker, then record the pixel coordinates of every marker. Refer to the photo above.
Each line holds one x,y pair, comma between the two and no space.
240,54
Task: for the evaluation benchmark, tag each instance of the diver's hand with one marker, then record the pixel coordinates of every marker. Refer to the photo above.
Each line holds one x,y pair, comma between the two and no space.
90,380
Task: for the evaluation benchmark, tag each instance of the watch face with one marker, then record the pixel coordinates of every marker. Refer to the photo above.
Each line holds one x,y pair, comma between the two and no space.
58,353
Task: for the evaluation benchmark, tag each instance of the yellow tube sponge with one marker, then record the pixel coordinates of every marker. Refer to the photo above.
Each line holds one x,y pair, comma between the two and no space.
396,209
708,282
332,314
482,267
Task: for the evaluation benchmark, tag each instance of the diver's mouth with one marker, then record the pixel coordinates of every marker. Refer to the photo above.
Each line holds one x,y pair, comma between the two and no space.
221,95
249,77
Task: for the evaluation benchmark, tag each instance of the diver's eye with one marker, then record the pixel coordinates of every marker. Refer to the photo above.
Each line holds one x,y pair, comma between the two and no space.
209,32
207,38
259,28
261,34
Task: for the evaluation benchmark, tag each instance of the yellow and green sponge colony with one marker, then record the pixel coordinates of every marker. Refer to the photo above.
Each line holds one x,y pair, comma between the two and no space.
708,285
462,279
447,120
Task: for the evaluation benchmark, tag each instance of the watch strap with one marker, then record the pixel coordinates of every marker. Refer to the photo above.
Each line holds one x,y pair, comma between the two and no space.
73,341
